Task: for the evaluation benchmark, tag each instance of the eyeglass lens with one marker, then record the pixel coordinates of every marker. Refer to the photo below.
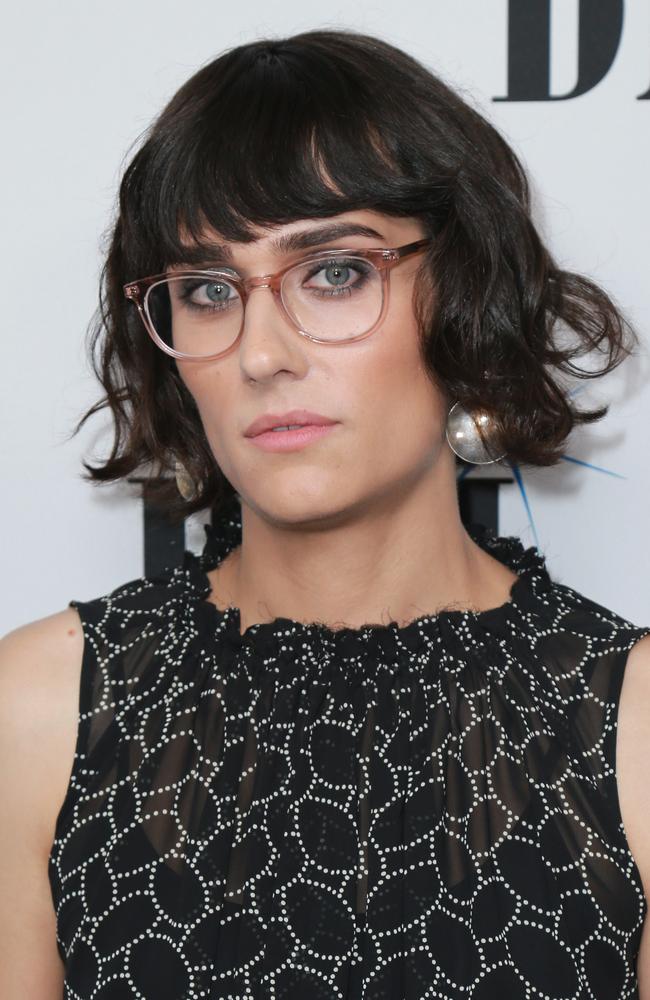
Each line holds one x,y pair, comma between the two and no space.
331,299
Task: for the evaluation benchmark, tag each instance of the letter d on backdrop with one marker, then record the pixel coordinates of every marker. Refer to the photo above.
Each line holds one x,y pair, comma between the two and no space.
600,23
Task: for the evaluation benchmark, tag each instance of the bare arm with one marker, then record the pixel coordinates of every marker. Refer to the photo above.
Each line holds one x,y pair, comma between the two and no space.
633,777
40,667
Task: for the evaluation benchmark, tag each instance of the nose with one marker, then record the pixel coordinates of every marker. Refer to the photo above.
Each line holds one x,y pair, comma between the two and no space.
264,281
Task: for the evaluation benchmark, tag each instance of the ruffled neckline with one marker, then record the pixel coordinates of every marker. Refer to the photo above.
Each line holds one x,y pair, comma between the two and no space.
529,593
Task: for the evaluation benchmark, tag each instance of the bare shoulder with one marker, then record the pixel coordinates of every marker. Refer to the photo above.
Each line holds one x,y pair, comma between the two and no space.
633,779
40,665
633,753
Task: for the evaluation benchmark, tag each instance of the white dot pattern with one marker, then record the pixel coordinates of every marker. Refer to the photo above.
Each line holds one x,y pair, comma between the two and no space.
381,813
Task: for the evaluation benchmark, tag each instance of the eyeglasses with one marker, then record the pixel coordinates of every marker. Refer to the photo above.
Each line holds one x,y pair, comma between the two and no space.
330,297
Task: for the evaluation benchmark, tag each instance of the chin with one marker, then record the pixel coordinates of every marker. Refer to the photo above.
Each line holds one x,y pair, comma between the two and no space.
296,508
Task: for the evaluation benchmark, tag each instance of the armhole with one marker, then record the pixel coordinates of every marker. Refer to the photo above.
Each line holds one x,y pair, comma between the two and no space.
617,678
84,715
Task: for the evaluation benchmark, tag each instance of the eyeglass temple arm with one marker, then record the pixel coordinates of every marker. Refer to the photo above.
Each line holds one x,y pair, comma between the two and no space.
412,247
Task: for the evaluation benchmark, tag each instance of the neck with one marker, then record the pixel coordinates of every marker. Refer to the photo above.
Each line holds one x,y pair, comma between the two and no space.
393,560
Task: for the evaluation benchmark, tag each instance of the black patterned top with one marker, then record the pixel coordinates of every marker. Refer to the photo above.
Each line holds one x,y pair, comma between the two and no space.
381,813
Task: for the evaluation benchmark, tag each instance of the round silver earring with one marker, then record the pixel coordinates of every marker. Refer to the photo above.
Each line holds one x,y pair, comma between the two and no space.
464,438
184,482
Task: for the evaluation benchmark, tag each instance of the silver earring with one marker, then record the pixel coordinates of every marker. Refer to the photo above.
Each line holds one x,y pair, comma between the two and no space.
464,438
184,482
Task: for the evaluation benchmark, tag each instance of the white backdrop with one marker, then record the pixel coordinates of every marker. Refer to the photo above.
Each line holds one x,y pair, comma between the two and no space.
81,81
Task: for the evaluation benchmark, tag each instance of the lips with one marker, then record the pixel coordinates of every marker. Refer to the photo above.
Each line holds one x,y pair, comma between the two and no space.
295,440
270,420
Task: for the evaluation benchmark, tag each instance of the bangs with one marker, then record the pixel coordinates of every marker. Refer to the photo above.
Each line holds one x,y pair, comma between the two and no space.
263,137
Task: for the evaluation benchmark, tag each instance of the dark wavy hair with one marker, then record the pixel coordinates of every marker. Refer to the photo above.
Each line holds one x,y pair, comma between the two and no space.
323,122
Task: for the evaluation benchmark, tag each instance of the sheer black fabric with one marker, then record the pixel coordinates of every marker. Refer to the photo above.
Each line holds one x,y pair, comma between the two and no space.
379,813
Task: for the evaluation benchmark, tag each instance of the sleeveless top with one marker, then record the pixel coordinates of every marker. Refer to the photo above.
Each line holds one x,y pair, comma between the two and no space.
381,813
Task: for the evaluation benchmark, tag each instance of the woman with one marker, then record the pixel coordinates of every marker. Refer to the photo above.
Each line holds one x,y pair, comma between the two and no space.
355,749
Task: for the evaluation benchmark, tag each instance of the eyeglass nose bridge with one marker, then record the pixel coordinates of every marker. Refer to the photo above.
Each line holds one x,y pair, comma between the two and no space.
272,281
261,281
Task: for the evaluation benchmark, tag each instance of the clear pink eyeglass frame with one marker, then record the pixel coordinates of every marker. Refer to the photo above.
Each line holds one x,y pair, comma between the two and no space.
383,259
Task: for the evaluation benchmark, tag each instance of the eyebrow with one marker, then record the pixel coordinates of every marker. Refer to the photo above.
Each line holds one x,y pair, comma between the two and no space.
208,254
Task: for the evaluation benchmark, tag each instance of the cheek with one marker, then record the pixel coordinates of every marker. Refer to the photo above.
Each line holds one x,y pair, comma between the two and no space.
405,409
209,390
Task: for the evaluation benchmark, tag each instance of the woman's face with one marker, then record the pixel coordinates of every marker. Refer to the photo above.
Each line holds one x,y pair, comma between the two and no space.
390,419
